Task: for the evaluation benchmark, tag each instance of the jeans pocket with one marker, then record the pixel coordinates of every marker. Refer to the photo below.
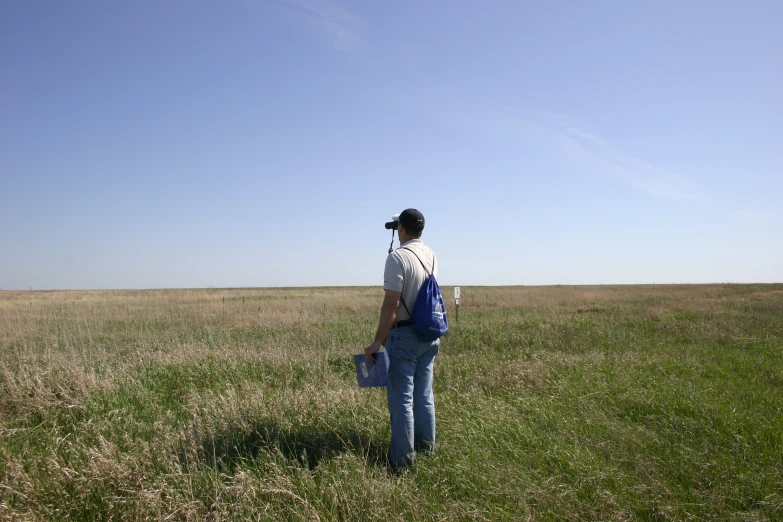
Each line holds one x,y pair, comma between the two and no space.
403,345
404,353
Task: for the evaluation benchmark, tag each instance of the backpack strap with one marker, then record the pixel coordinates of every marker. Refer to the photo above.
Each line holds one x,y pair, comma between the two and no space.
420,261
410,316
425,271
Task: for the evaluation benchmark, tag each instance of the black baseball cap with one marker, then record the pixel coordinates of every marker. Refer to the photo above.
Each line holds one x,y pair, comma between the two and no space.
412,220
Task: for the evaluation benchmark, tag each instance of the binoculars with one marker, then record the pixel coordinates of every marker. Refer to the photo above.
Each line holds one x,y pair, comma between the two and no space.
392,225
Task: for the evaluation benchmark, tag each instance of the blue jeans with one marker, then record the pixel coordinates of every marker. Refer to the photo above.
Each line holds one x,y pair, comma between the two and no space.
411,402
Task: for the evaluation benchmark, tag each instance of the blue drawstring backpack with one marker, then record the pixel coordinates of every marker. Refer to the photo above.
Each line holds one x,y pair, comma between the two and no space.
429,313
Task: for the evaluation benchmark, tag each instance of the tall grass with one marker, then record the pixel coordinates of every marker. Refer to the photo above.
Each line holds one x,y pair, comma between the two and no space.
561,403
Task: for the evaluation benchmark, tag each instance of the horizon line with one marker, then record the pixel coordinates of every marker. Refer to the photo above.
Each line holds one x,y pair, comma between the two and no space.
380,287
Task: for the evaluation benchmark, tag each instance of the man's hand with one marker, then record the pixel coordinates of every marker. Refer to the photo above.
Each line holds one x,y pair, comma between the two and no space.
373,348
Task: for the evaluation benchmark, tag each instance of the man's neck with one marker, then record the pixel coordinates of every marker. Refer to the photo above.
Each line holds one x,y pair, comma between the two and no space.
409,240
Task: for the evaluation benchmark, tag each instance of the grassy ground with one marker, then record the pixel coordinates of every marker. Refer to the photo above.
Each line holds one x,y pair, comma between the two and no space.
559,403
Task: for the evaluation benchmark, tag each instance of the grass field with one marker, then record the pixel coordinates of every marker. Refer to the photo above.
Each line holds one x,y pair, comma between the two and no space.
557,403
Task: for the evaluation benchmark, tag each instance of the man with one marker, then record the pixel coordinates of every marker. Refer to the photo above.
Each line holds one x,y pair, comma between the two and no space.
411,402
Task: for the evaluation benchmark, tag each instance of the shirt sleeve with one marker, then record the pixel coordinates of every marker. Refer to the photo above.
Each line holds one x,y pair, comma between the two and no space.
393,274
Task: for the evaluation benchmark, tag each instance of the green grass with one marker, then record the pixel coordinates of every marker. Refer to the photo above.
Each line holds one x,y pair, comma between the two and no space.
560,403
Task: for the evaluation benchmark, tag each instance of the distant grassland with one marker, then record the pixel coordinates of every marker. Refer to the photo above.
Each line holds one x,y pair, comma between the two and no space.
556,403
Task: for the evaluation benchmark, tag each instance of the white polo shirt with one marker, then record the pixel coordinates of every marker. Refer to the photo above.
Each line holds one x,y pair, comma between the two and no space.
404,273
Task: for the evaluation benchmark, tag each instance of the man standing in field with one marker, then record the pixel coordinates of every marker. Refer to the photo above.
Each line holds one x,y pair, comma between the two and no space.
410,397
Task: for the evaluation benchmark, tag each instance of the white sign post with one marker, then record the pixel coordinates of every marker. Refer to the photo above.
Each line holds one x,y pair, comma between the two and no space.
456,298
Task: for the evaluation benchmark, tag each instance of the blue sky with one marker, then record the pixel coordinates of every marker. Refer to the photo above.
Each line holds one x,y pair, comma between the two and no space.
175,143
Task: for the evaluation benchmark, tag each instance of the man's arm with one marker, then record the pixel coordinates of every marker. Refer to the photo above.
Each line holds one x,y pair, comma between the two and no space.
391,301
